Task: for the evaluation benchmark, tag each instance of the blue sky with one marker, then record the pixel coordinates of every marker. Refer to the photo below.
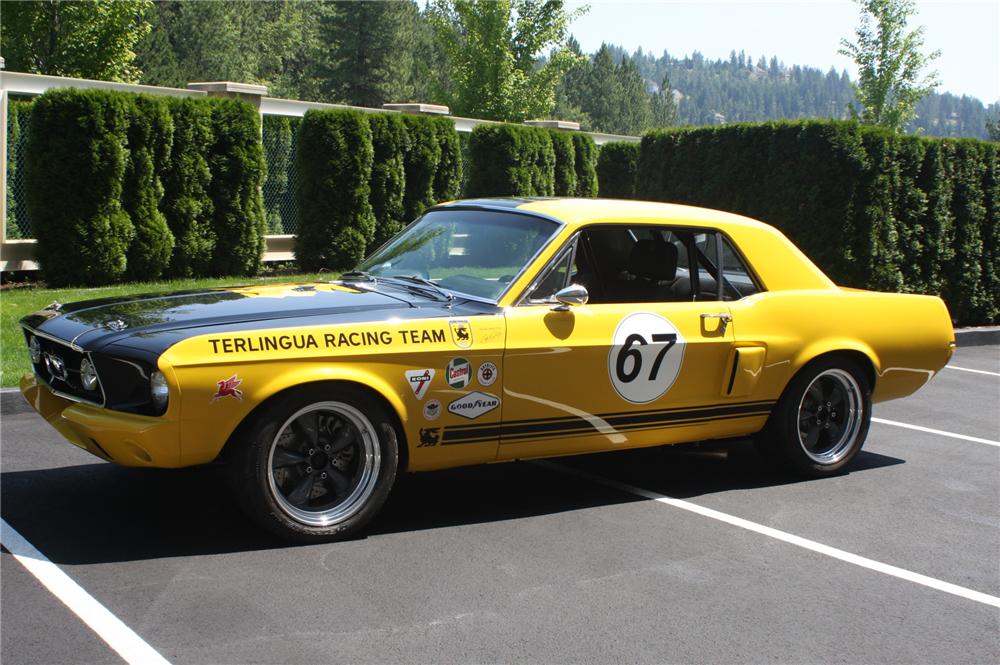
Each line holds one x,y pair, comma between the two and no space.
803,32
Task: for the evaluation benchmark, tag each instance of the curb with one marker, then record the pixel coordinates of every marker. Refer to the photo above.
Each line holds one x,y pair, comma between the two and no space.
12,403
983,336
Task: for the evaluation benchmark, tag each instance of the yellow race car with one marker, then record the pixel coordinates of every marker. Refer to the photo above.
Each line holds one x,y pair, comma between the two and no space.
488,330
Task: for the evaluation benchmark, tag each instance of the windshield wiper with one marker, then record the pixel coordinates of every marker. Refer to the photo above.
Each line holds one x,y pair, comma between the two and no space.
448,295
358,276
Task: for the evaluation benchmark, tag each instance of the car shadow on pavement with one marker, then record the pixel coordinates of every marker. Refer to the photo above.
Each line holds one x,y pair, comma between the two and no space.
100,513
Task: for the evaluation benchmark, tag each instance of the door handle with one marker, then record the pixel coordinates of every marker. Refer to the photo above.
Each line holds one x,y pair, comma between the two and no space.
724,319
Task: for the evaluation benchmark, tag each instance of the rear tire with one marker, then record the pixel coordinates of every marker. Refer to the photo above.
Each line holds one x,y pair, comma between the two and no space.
316,464
822,419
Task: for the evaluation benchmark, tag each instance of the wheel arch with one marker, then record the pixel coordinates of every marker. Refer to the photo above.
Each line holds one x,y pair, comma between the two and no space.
388,399
864,358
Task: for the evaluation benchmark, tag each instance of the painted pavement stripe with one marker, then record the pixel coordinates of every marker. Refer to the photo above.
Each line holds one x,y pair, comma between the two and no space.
784,536
108,627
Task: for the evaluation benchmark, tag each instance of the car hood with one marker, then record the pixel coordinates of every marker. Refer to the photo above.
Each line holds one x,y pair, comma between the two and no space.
93,325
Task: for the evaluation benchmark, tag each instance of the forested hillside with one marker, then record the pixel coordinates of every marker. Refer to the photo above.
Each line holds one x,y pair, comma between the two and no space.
741,89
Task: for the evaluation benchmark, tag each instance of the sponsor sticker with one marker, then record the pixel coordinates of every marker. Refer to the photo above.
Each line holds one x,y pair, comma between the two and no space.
458,373
473,405
486,374
645,357
229,388
429,436
419,380
461,333
432,409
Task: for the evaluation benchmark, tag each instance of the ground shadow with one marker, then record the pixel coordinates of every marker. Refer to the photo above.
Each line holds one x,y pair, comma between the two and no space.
100,513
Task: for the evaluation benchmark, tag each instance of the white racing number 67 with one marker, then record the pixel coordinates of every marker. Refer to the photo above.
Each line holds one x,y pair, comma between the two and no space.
645,357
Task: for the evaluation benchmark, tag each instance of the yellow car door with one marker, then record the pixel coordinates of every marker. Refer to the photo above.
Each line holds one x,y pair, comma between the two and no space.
645,361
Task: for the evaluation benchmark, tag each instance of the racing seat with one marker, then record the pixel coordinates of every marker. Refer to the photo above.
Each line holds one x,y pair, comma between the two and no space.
652,268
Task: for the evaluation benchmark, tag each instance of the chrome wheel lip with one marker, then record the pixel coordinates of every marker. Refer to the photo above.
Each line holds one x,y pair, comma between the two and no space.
371,461
839,449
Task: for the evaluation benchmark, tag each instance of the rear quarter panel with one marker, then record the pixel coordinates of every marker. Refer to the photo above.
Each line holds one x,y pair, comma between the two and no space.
906,337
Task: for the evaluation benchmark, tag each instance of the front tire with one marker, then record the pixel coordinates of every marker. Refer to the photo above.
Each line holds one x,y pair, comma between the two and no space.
821,420
316,464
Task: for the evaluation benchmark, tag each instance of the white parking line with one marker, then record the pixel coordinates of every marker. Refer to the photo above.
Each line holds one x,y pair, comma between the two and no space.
940,432
108,627
784,536
976,371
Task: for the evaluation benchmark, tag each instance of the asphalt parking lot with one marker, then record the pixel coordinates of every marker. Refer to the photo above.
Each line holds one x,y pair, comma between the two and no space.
571,560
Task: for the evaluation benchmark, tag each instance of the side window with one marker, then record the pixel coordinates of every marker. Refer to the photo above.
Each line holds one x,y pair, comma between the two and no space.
737,279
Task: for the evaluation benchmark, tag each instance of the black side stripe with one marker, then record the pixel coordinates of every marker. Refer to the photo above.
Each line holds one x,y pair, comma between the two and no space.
575,426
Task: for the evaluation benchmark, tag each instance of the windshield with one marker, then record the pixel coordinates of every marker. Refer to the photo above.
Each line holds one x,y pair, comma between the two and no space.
472,252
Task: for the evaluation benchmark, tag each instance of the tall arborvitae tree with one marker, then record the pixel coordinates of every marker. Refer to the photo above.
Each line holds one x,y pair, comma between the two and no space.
367,58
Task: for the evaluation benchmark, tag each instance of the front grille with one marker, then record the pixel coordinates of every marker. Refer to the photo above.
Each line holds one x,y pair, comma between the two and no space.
59,368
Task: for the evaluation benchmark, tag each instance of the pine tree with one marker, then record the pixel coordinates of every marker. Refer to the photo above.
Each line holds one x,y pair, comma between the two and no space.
367,58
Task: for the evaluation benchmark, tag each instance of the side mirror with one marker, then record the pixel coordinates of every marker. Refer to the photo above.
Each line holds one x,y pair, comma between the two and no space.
572,295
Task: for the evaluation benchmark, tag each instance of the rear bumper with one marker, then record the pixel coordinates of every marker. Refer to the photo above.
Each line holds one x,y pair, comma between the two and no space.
123,438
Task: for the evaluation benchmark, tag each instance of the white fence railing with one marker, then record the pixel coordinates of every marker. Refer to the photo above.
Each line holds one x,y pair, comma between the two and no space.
19,254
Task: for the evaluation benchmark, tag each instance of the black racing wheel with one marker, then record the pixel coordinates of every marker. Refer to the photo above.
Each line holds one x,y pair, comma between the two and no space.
821,420
317,463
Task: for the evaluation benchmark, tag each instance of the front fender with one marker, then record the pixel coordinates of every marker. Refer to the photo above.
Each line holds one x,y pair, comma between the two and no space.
216,400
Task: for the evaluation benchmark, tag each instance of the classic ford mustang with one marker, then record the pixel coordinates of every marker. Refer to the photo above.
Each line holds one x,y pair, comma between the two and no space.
488,330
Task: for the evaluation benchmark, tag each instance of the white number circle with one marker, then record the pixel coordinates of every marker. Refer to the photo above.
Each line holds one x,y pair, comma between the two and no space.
645,357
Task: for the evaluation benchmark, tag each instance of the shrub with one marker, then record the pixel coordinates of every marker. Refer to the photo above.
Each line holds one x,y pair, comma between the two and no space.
236,160
150,139
564,177
388,179
510,160
334,161
423,153
186,202
617,170
585,162
871,208
75,167
448,175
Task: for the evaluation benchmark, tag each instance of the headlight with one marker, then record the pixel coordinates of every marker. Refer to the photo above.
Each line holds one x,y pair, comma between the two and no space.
35,350
88,375
158,391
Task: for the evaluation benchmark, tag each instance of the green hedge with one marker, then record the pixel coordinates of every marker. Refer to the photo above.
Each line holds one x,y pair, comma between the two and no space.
448,176
510,160
186,202
236,160
388,179
124,186
564,177
872,208
423,154
334,162
586,165
150,141
617,168
75,170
